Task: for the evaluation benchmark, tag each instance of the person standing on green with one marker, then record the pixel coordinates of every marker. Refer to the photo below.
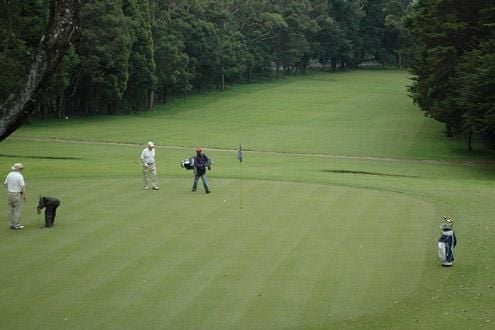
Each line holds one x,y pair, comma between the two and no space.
149,166
201,162
16,190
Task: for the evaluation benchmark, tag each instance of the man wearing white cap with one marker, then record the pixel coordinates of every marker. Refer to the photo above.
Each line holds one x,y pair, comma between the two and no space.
16,189
149,166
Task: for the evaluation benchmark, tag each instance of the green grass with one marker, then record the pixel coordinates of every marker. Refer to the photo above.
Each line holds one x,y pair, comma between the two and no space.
308,239
355,114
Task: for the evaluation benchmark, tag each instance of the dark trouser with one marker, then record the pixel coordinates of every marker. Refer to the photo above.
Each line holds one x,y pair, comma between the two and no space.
50,214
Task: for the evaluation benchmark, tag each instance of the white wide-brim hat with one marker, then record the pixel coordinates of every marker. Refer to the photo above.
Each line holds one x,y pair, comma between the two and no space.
17,166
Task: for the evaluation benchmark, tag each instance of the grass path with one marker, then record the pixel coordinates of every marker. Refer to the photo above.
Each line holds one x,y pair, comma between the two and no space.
431,161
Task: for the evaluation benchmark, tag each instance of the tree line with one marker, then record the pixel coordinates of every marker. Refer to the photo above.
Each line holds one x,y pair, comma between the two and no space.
453,64
131,54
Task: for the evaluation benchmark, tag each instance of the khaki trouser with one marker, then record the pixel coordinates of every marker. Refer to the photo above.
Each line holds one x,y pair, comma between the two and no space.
14,202
149,172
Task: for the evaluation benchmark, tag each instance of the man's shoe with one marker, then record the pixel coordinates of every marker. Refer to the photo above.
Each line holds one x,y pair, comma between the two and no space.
208,191
156,188
18,227
146,188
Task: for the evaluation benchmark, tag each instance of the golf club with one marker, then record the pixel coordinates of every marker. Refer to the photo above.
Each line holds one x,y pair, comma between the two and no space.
39,220
39,215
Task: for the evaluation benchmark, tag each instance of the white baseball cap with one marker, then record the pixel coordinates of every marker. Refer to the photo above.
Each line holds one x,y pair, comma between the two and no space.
151,144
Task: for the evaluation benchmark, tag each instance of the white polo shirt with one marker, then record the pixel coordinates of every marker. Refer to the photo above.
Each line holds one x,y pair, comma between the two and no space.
14,182
148,156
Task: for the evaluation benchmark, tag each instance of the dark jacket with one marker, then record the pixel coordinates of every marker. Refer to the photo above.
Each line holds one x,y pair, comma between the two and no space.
48,202
201,162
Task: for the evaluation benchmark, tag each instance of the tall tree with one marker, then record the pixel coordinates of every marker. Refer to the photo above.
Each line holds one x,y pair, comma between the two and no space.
397,39
172,62
139,94
21,25
346,47
104,49
260,24
62,29
445,31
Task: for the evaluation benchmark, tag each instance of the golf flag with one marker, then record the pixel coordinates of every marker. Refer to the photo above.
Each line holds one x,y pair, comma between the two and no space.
239,153
239,157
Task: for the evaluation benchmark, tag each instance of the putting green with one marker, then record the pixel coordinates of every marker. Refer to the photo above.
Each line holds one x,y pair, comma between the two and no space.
291,255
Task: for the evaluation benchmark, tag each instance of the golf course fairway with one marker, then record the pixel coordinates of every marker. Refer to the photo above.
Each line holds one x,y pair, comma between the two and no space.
330,222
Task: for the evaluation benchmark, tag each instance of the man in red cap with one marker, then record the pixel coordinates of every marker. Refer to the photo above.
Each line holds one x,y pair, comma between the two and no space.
201,162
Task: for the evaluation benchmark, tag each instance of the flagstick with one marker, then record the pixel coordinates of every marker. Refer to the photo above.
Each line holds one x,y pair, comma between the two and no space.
240,185
239,158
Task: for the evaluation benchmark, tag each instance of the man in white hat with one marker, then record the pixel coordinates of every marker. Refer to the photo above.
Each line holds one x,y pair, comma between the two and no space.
16,189
149,166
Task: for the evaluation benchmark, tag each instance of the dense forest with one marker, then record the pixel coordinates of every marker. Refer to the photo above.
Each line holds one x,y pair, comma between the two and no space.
454,64
132,54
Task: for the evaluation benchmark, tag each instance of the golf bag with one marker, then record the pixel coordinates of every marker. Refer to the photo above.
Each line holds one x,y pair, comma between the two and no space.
447,243
188,164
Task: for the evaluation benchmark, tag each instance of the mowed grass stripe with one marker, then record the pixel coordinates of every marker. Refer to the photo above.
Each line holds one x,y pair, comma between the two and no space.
262,264
244,243
355,262
253,265
123,258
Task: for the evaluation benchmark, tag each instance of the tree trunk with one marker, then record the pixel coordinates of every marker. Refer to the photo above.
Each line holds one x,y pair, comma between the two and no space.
60,106
222,88
470,141
42,111
62,29
152,99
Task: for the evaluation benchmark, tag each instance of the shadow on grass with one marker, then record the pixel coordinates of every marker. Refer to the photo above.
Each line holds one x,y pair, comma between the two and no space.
369,173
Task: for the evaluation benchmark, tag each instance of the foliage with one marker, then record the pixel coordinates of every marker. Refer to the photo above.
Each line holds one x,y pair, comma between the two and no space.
475,83
452,69
21,25
104,50
62,29
133,53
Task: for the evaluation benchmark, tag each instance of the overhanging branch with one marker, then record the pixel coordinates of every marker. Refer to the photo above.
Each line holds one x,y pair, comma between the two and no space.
62,30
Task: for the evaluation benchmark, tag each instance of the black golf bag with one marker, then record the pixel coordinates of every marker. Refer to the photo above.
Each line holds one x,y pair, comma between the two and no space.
188,164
